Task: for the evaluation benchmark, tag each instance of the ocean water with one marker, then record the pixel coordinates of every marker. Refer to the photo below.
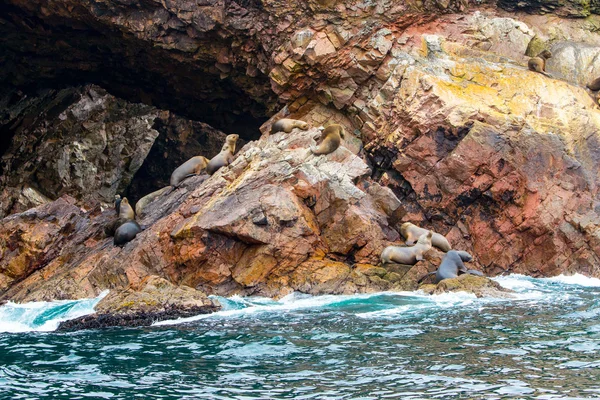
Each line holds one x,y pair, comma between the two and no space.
544,344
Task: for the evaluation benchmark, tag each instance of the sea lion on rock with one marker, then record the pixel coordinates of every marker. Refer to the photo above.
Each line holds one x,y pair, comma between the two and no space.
193,166
125,210
411,232
117,203
331,139
149,198
225,157
594,85
407,255
538,63
125,213
126,232
286,125
452,266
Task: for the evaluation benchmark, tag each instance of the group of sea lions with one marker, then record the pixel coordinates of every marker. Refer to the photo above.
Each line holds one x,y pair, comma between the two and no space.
124,228
452,264
330,137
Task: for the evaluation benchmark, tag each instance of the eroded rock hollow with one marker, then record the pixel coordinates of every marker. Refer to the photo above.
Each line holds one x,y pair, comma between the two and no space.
445,127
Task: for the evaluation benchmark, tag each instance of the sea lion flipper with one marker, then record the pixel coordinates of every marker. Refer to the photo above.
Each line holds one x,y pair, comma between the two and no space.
425,277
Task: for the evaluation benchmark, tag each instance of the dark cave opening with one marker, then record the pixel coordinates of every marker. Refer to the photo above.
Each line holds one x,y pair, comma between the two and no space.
38,54
200,105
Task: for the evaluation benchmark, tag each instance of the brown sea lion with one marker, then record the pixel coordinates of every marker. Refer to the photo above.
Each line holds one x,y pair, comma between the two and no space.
149,198
411,232
125,213
125,209
126,232
286,125
407,255
594,85
225,157
193,166
538,63
331,139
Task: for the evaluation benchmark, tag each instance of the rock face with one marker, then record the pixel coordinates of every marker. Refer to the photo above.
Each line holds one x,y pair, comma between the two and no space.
277,219
446,129
154,300
478,285
90,145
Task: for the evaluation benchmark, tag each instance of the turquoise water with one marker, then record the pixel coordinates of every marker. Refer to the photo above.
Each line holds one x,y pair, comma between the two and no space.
544,344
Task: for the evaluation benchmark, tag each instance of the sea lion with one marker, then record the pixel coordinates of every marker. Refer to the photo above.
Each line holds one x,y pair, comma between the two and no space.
125,210
125,213
538,63
126,232
465,256
411,232
452,266
594,85
149,198
286,125
407,255
225,157
193,166
331,139
117,203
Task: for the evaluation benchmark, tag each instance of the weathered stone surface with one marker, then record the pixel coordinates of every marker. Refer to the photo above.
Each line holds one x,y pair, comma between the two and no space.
89,146
154,300
480,286
277,219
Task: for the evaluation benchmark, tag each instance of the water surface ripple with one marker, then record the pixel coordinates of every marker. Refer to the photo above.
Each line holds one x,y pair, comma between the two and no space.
544,344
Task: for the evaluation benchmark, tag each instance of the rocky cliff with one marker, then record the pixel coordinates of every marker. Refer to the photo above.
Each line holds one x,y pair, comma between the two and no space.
447,128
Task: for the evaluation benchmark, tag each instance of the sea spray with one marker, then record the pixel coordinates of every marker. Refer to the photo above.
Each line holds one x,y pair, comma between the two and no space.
44,316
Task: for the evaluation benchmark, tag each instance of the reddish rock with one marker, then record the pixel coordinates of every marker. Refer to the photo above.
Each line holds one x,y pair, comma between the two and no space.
446,128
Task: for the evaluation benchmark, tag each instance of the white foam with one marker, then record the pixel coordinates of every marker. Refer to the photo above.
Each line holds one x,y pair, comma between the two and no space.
515,282
576,279
389,312
293,301
29,317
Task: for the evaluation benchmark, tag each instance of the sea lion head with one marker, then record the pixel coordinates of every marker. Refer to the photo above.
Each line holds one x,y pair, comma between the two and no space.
546,54
425,238
302,125
117,197
124,201
230,141
404,228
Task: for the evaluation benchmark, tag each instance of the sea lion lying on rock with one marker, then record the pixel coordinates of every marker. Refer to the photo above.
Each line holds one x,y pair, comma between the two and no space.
191,167
149,198
594,85
126,232
286,125
225,157
331,139
538,63
452,266
411,232
407,255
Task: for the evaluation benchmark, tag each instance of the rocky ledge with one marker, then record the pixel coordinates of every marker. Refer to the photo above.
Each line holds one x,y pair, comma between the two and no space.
480,286
447,129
